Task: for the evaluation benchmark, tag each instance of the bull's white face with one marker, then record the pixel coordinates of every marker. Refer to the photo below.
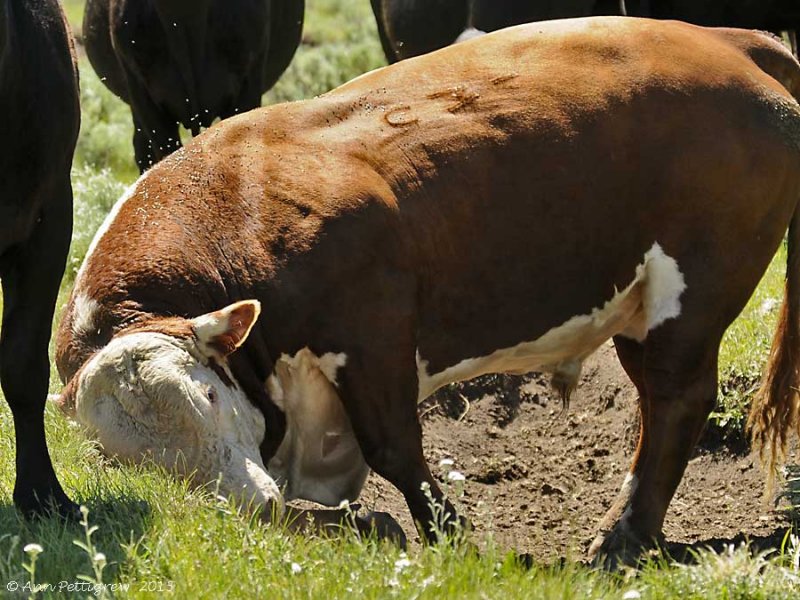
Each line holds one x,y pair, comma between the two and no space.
153,395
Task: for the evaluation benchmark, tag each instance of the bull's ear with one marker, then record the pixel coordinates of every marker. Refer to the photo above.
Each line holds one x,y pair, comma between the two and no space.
221,332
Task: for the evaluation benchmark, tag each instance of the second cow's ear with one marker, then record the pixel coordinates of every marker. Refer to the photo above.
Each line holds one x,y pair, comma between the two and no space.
221,332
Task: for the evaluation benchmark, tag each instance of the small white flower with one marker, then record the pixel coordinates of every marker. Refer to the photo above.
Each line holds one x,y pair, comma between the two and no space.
100,558
296,568
33,549
768,306
402,563
631,595
456,476
344,505
446,462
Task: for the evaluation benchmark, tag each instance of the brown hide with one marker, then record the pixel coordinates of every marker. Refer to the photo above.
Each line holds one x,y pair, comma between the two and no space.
468,201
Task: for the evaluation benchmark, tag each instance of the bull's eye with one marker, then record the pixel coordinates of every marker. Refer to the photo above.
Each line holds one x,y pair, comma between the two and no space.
211,394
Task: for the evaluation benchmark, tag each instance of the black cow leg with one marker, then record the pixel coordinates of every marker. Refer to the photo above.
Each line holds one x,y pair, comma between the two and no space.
142,149
149,149
30,287
156,135
249,98
386,44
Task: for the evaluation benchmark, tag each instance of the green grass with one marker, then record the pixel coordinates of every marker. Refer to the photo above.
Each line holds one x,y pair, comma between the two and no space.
745,348
163,540
74,10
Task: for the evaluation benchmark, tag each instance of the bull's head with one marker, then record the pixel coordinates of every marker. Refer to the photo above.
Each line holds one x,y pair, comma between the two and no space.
168,396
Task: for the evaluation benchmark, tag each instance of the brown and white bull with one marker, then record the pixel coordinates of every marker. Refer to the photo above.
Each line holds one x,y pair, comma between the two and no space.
271,302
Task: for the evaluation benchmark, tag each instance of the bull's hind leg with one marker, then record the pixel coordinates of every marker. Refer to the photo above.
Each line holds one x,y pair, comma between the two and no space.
631,356
676,377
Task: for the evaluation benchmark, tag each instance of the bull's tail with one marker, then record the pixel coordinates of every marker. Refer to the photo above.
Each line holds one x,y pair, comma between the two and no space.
775,410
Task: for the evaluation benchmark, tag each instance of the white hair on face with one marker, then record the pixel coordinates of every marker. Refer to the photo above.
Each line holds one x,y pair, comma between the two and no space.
147,395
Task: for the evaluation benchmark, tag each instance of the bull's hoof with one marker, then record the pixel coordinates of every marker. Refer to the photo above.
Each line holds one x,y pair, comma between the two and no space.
619,548
383,526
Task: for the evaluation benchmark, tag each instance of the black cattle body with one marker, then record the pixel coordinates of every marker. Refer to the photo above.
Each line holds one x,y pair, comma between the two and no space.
39,118
188,62
410,28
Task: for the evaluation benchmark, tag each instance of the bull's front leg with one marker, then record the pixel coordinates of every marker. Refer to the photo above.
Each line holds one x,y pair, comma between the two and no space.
30,278
677,384
379,392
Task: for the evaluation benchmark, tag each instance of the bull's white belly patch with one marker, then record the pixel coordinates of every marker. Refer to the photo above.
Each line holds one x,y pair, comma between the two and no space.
650,299
319,458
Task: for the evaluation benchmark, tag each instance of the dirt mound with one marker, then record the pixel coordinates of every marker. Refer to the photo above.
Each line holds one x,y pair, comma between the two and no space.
539,479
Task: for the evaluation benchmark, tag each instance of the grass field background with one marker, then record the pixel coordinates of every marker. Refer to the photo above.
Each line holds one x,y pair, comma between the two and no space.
163,540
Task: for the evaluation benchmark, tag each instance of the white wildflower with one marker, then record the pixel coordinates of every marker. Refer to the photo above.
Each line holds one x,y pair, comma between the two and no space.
768,306
401,564
446,462
296,568
631,595
33,549
456,476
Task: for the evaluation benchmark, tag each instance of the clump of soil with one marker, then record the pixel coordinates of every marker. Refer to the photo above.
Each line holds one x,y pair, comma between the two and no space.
538,479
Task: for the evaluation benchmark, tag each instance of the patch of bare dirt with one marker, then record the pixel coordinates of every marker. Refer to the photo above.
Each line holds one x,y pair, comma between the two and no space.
539,480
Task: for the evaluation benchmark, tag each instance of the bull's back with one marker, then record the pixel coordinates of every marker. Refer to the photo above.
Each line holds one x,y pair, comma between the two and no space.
527,174
510,183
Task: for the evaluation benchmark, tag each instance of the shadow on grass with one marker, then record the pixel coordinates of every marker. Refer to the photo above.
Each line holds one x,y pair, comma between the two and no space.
775,541
688,553
115,526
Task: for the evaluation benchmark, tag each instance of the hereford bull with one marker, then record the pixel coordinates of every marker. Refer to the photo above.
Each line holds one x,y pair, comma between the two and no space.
271,302
187,62
39,121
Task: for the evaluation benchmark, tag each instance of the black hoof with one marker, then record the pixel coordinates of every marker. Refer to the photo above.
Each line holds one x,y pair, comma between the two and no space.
618,549
47,505
383,526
